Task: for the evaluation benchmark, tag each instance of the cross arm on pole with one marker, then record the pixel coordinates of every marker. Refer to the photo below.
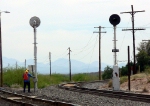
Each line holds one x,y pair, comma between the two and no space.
99,27
99,32
131,29
145,40
132,12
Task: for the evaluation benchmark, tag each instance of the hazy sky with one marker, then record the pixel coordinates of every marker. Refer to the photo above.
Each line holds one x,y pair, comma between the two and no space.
70,23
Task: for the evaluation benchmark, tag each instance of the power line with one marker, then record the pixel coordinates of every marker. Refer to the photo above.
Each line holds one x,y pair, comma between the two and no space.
84,49
92,53
89,51
87,43
122,40
127,27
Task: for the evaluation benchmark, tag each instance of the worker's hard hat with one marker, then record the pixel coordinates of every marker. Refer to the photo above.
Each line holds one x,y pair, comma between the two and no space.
27,71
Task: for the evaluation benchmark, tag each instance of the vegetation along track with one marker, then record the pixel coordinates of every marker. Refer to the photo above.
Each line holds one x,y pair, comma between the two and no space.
23,100
77,87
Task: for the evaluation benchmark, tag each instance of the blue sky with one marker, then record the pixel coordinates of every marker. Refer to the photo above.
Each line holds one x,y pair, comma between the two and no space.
70,23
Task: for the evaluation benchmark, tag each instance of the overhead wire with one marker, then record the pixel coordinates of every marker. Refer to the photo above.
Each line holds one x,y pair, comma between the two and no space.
86,44
145,25
123,38
64,53
140,36
128,27
89,51
92,54
84,48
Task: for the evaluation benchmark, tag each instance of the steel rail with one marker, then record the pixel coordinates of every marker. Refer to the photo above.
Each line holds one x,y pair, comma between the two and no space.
108,93
30,101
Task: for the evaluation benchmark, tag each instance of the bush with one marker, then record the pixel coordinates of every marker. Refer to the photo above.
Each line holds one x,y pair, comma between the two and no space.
110,83
107,74
124,71
147,70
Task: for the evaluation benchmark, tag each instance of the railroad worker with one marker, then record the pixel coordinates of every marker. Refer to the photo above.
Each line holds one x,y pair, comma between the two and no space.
26,78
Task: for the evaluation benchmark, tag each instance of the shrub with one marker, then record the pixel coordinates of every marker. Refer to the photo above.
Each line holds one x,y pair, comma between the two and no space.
107,74
110,83
147,70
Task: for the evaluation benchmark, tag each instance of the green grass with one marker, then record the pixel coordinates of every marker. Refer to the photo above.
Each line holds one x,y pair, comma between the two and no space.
123,79
84,77
14,78
47,80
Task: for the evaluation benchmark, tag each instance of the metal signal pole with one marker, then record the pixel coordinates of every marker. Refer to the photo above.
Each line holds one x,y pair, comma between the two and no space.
35,56
35,22
99,49
115,54
133,31
69,62
114,19
50,62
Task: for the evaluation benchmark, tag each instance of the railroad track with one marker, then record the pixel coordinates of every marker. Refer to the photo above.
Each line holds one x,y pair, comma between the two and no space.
23,100
77,87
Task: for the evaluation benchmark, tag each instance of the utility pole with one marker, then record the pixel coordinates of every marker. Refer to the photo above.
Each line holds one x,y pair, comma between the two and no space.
99,49
129,68
133,31
25,63
1,57
69,62
16,65
50,62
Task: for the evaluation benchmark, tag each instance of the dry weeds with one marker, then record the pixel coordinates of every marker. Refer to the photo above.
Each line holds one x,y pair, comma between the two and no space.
140,83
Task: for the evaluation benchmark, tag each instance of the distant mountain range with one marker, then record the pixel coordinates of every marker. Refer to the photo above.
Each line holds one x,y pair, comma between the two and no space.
59,66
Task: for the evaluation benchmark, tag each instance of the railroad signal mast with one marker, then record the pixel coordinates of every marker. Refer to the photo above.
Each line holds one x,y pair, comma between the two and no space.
35,22
115,20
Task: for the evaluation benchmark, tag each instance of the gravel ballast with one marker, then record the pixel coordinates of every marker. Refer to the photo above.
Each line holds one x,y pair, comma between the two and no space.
81,99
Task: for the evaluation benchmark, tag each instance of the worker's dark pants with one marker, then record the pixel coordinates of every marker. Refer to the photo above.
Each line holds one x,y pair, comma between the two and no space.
26,84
